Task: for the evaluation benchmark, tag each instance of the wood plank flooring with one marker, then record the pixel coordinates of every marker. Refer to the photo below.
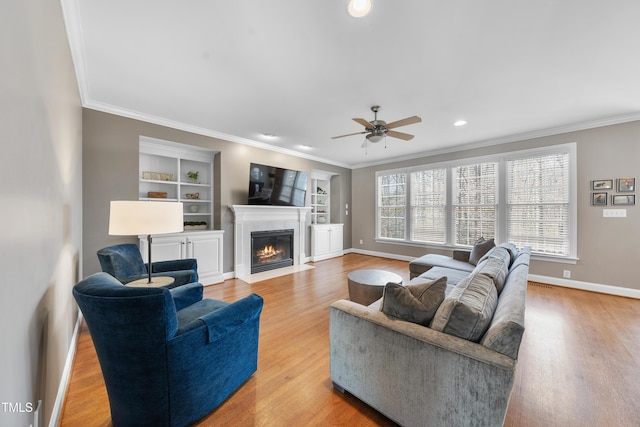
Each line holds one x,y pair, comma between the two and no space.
578,365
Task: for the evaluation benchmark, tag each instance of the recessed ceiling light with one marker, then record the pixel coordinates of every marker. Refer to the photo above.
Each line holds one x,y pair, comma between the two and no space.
359,8
269,135
460,123
306,146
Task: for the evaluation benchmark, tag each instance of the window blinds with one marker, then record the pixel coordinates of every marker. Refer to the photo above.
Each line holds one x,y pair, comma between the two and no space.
538,203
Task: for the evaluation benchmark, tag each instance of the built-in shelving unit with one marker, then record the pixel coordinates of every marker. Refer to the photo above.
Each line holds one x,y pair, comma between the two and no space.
320,197
164,169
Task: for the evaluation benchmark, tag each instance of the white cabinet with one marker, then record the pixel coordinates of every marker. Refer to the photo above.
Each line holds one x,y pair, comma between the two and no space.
179,173
326,241
205,246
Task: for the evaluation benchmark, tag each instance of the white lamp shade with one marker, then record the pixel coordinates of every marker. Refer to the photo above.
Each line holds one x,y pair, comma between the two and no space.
132,217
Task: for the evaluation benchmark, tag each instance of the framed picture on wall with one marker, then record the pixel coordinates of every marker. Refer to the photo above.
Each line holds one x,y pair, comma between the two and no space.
626,199
626,184
599,199
602,184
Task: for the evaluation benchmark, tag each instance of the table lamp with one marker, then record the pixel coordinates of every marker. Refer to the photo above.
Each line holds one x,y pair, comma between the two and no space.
133,217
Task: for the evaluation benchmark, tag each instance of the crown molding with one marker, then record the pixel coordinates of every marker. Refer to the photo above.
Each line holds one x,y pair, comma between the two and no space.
575,127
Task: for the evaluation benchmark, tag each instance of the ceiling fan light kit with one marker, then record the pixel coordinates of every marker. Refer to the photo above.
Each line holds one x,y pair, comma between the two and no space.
377,130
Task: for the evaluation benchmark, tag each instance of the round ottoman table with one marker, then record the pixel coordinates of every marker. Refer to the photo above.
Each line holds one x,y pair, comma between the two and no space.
366,286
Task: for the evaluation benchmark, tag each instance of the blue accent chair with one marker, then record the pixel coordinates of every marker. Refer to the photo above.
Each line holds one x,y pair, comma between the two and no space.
124,262
168,356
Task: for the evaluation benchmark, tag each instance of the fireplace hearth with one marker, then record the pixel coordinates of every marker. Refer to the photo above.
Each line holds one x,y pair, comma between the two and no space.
271,249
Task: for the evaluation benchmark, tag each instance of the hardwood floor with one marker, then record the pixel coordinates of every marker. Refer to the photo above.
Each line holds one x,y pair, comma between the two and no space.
578,363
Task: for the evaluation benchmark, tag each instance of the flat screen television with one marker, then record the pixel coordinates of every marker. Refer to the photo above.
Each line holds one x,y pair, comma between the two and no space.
269,185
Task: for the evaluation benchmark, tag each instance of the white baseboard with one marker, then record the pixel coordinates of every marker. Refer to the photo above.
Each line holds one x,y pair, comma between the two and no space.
587,286
66,374
381,254
574,284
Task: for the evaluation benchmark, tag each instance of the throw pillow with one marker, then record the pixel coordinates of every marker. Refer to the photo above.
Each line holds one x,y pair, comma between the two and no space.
494,267
513,250
480,247
468,309
416,303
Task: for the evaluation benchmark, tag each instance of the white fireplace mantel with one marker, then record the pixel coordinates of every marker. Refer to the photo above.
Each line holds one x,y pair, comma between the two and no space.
248,218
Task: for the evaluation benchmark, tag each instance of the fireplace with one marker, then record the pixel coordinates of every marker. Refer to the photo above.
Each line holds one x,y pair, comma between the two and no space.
271,249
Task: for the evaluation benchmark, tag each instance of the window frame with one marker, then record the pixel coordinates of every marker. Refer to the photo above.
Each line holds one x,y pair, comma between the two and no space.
501,195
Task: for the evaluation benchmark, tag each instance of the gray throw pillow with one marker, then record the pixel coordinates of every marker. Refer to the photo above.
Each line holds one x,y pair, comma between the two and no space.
415,303
494,267
468,309
480,247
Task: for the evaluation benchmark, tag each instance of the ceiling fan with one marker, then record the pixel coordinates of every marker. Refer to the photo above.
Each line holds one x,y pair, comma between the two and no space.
377,130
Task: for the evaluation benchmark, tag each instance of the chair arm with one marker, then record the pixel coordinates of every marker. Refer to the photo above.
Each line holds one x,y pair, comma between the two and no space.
232,317
461,255
185,295
174,265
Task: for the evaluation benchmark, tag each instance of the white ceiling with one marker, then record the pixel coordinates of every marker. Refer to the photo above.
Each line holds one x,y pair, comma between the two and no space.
302,69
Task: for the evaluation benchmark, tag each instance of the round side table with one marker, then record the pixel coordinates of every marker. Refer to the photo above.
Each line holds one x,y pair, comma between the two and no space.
156,282
366,286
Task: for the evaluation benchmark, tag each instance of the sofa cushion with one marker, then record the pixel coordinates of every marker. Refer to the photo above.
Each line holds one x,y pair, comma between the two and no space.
453,276
498,252
467,311
425,262
513,250
480,247
416,303
495,268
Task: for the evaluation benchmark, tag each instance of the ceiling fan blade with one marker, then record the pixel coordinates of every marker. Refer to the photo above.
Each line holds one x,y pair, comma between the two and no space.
364,123
408,121
399,135
349,134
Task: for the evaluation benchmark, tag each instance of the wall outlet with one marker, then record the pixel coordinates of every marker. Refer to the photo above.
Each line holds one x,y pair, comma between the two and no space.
361,242
566,274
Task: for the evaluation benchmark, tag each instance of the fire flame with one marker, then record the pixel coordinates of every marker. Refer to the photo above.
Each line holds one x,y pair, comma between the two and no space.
269,253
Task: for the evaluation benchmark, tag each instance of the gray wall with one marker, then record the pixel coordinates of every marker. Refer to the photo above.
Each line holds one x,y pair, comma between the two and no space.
110,160
41,215
607,247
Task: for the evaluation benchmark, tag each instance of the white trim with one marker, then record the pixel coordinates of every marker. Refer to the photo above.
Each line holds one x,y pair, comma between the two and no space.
573,284
66,374
380,254
575,127
587,286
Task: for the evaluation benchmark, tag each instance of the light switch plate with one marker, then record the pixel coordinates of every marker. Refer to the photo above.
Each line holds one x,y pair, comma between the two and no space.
614,213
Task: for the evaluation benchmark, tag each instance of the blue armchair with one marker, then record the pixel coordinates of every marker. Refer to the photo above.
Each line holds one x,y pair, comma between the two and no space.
124,262
164,366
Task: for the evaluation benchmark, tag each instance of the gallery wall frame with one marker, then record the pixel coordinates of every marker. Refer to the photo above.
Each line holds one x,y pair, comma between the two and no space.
623,199
599,199
602,184
626,185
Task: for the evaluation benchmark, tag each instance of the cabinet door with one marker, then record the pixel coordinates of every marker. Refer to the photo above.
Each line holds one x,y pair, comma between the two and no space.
163,248
336,239
207,249
322,241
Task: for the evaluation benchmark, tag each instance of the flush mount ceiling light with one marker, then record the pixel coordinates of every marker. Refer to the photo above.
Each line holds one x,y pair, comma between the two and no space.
359,8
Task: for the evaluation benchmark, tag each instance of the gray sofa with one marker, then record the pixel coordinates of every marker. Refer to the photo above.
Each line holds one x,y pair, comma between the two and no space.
419,376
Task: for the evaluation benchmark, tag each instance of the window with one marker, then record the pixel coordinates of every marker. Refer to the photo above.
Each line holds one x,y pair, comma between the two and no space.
475,202
429,206
392,204
538,203
525,197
